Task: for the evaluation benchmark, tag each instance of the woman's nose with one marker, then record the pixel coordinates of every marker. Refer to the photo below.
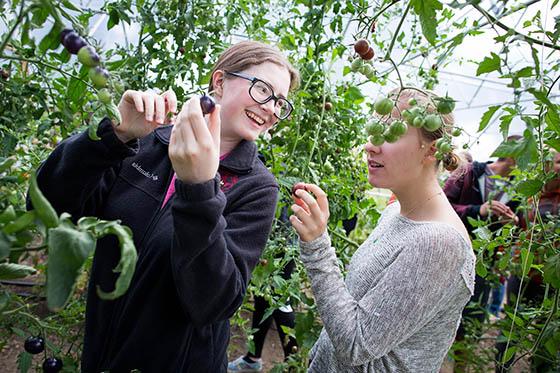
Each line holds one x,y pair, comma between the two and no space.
370,148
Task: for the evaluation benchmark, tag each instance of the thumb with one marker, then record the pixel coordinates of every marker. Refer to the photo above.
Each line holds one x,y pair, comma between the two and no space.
215,123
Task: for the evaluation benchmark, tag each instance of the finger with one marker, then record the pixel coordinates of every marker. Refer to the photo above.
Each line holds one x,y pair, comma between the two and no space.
303,216
183,125
171,101
197,122
297,224
321,197
215,124
159,104
135,98
311,203
148,99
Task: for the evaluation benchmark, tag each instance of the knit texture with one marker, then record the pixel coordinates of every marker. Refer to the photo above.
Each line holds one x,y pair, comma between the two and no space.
400,305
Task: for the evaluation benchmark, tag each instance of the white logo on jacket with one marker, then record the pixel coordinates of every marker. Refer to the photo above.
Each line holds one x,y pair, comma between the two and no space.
144,172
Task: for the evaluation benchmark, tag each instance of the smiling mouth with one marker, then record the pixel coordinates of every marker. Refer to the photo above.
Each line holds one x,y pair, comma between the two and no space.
254,117
374,164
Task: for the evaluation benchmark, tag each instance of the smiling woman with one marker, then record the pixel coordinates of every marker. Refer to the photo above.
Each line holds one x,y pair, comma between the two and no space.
200,205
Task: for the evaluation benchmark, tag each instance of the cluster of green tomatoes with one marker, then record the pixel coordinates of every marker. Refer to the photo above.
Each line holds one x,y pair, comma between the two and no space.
384,129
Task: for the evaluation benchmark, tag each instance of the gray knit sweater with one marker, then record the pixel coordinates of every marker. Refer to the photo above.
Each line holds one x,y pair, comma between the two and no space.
399,308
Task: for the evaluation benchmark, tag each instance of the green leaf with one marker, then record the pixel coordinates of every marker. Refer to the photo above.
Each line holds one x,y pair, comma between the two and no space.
509,353
427,11
489,64
527,259
6,163
92,131
529,153
481,269
529,188
52,39
22,222
8,215
127,263
25,359
542,97
41,204
113,112
68,250
552,120
4,246
555,143
535,55
487,116
9,271
551,271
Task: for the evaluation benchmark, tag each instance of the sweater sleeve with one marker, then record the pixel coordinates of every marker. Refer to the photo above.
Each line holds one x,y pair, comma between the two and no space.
77,175
415,286
214,251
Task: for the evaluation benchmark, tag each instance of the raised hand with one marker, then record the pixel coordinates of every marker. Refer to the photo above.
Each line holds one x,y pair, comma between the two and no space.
311,214
142,112
194,147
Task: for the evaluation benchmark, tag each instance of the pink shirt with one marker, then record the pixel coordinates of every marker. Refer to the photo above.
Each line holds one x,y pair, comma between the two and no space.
171,188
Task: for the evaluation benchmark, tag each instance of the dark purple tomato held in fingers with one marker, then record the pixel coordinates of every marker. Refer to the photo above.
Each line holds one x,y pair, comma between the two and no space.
34,345
298,186
73,42
207,104
52,365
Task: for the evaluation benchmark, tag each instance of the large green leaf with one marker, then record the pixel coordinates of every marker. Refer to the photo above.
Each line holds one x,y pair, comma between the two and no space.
529,187
427,10
68,250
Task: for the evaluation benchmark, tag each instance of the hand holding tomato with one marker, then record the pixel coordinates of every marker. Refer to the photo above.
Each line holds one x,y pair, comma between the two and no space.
194,147
311,214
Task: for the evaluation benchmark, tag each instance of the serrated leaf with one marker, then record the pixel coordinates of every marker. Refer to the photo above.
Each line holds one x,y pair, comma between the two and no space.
529,188
555,143
489,64
487,116
427,11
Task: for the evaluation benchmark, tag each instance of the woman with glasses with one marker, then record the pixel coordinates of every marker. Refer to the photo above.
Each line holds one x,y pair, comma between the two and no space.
200,205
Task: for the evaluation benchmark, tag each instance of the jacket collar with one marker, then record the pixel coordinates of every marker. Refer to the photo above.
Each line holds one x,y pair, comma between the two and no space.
240,160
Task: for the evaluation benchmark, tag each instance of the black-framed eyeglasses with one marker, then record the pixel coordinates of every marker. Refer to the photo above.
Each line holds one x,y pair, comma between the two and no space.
261,92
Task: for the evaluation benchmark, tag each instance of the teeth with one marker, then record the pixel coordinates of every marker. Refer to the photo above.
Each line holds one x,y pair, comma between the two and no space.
255,117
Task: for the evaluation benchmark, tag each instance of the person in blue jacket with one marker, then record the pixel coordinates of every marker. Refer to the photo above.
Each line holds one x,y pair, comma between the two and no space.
200,205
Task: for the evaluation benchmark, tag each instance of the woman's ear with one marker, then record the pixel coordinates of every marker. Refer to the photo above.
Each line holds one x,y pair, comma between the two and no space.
218,82
430,151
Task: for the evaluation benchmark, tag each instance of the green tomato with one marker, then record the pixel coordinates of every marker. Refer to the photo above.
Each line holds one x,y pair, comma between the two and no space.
104,96
398,128
433,122
384,106
366,69
356,64
412,102
389,137
88,56
445,147
438,155
445,105
456,132
98,77
375,128
418,122
377,140
439,142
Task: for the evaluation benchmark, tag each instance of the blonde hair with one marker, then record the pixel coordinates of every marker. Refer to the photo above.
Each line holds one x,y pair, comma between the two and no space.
242,55
451,161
